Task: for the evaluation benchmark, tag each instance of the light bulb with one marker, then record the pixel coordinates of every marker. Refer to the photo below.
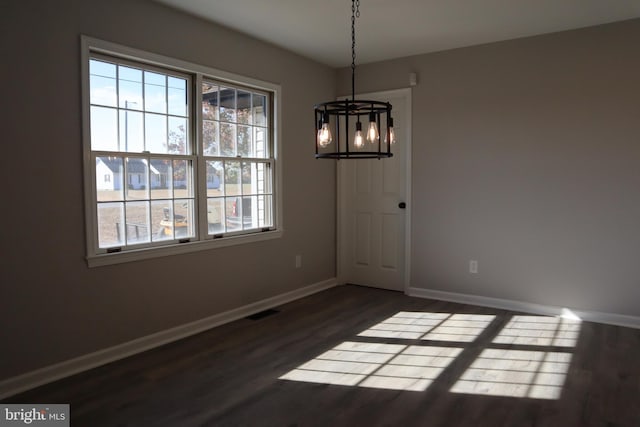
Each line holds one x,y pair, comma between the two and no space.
324,133
391,134
358,140
324,136
372,132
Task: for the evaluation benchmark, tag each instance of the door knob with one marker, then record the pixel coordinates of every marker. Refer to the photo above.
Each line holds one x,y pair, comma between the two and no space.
402,205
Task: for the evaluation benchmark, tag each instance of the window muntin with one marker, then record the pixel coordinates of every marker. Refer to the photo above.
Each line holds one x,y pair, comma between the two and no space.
135,125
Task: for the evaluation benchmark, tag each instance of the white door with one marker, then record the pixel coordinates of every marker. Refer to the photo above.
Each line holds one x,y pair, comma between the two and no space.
372,224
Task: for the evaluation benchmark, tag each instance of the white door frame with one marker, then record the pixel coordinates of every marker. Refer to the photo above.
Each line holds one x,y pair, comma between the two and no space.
340,231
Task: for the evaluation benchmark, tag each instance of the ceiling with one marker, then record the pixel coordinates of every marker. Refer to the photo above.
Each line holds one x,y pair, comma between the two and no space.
389,29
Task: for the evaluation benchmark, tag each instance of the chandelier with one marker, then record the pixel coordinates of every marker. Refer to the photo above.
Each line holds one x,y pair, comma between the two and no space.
337,120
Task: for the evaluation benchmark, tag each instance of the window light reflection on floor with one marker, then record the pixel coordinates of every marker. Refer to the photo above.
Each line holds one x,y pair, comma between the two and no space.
540,330
408,360
387,366
395,366
521,373
516,373
405,325
460,328
431,326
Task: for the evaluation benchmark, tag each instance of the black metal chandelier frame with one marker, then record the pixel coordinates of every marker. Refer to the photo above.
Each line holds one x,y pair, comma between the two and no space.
331,116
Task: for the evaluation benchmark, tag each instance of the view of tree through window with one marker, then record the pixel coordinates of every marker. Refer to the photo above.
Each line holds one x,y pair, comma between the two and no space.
234,126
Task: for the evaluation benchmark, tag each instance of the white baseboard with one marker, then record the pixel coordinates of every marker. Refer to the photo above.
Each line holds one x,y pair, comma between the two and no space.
527,307
29,380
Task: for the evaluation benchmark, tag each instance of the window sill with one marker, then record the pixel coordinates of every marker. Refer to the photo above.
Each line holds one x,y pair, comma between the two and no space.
177,249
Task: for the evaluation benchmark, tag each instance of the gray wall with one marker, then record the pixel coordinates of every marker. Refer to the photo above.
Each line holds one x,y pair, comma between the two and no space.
52,306
526,157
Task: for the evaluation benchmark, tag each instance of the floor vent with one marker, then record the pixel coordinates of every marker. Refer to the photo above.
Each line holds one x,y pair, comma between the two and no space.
262,314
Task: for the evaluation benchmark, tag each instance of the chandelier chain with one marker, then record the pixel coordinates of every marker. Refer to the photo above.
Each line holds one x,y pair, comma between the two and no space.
355,13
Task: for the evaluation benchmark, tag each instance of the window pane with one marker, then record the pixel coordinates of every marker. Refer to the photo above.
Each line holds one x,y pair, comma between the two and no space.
182,179
155,92
255,178
110,224
183,219
161,225
101,68
129,74
104,129
259,110
176,82
109,173
177,142
248,175
227,139
261,143
265,217
244,141
130,88
152,78
131,135
215,215
177,96
103,91
228,104
264,178
215,175
244,107
210,101
137,227
137,178
232,178
155,133
249,212
210,142
160,179
130,95
233,220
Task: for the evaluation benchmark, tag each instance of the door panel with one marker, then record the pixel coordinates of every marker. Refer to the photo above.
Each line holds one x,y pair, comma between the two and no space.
390,231
363,239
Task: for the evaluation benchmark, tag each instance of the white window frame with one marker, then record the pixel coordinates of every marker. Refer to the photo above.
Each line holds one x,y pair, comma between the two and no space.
202,241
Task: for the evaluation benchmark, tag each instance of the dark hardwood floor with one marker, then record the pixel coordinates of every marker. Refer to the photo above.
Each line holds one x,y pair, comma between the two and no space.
355,356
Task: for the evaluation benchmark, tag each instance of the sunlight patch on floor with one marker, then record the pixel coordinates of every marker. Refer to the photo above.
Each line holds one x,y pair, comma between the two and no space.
375,365
516,373
460,328
539,330
405,359
405,325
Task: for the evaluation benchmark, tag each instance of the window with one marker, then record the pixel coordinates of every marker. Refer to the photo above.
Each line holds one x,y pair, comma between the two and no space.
236,150
181,157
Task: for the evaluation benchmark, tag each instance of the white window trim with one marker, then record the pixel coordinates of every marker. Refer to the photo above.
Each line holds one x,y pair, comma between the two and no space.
89,45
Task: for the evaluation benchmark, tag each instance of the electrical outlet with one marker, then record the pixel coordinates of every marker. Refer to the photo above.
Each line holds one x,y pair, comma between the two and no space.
473,266
298,261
